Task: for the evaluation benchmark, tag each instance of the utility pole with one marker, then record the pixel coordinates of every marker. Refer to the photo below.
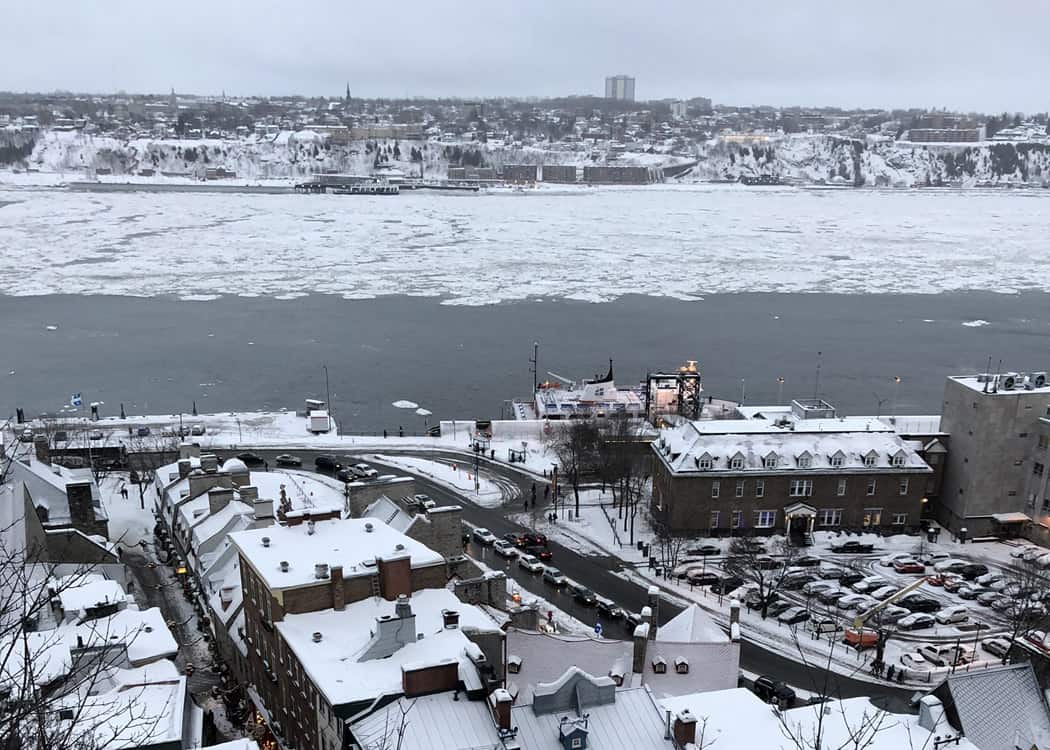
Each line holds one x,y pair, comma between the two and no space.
780,390
328,397
816,382
743,390
535,361
896,387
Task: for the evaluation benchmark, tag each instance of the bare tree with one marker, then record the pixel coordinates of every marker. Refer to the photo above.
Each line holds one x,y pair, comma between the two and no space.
1026,589
625,464
575,445
670,547
747,560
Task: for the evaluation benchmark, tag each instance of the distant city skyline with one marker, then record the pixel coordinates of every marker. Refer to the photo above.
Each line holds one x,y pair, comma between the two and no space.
955,55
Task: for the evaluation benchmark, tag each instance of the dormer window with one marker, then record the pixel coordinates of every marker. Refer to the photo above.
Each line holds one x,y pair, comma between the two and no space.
871,459
705,462
770,461
737,461
514,664
681,665
898,458
805,460
837,460
659,665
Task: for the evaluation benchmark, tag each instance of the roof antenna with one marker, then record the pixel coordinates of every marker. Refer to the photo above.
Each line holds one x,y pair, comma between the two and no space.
816,384
987,373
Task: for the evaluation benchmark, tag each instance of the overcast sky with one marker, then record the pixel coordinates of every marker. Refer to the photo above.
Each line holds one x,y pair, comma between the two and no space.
927,53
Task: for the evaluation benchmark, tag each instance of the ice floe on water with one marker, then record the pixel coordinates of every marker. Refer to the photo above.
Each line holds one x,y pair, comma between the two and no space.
976,323
405,404
424,412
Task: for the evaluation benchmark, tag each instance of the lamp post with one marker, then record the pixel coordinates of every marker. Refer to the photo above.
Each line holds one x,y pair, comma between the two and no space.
896,387
780,390
328,397
743,390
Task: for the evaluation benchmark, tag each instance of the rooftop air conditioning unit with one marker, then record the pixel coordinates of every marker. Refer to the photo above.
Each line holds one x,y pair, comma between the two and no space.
1037,379
1010,380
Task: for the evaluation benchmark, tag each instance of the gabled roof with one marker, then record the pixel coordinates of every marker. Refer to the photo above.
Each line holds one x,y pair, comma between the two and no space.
691,625
1000,708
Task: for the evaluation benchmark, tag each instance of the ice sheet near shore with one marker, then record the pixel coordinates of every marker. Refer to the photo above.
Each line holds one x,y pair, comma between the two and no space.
590,245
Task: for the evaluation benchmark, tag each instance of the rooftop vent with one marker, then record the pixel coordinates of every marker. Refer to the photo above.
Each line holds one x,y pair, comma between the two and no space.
266,541
368,528
317,636
321,570
399,547
284,566
309,527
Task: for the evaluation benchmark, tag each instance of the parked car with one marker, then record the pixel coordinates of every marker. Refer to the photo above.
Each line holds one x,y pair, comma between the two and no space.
952,584
793,615
753,546
287,459
536,539
1021,549
884,592
1031,553
853,547
951,565
610,609
973,570
830,572
887,561
891,613
952,615
554,577
934,557
1005,604
631,620
831,596
909,565
850,577
584,595
766,563
914,660
862,638
795,582
813,588
197,429
822,625
701,577
987,598
515,538
915,621
543,553
858,602
775,609
364,471
346,474
945,655
250,459
726,585
870,583
998,647
483,536
919,603
989,578
774,691
503,548
530,563
704,550
970,592
327,463
806,561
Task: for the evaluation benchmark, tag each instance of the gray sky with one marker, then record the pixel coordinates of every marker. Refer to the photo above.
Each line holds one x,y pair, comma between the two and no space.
961,55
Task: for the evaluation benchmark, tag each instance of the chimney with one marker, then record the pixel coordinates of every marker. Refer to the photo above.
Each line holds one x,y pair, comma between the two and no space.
654,605
734,612
449,619
395,576
249,493
43,450
931,714
263,510
647,618
641,644
402,608
392,633
219,498
684,729
338,594
209,463
500,702
184,468
189,450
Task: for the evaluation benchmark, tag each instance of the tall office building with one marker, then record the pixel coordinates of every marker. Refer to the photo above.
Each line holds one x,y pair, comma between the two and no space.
620,88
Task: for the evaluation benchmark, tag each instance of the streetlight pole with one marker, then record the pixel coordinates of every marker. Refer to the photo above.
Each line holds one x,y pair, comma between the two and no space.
780,390
896,387
743,390
328,397
535,361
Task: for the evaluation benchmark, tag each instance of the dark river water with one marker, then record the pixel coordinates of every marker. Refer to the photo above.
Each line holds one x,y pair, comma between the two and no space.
158,355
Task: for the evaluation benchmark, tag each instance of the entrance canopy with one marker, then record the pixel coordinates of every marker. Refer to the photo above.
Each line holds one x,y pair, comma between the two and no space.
799,510
1015,517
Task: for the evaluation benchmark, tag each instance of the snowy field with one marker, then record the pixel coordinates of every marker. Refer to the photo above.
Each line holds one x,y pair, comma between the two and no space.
587,244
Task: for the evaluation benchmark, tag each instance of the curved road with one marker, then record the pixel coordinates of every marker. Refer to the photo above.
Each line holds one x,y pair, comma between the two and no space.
599,573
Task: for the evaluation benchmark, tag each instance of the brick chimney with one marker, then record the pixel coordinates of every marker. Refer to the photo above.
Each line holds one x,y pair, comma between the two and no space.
641,645
684,728
654,605
184,468
338,594
500,701
263,510
395,576
42,448
219,498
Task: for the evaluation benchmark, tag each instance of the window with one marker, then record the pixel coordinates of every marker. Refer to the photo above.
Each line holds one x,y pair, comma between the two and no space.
705,463
829,517
736,462
870,459
738,519
1022,434
898,459
871,487
740,488
805,461
659,665
1018,461
902,486
770,461
801,488
1044,441
577,742
715,488
714,519
1046,504
760,487
840,491
1037,469
872,517
837,460
900,519
681,665
764,519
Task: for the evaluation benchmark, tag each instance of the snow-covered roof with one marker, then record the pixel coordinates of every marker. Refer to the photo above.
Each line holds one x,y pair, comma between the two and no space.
47,486
132,708
222,579
49,657
691,625
144,633
90,590
354,543
333,663
632,722
986,386
766,445
544,656
739,718
1000,708
234,466
215,523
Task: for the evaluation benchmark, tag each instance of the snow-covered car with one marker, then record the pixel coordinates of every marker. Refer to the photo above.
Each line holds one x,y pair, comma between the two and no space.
287,459
970,592
818,587
831,596
530,563
870,583
1006,604
884,592
1039,639
952,615
952,583
830,572
989,578
504,549
793,616
891,614
914,660
1031,553
554,577
1019,551
934,557
945,655
887,561
916,621
998,647
859,602
364,471
483,536
988,598
951,565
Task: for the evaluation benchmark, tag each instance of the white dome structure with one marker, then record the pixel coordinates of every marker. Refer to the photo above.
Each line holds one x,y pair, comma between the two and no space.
234,466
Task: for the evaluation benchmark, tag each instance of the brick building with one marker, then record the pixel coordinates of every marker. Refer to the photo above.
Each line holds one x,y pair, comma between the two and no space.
798,472
341,614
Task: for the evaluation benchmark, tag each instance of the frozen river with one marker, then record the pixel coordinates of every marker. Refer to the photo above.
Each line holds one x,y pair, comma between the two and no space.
591,245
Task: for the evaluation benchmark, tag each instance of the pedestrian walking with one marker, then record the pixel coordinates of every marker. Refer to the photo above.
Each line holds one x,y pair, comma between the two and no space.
546,491
266,465
889,672
533,492
493,454
550,615
526,504
400,431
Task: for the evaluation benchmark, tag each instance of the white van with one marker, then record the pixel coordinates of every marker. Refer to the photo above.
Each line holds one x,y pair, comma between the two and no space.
951,615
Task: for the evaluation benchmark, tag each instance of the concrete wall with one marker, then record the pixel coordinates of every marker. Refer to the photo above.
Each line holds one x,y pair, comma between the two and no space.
992,440
363,494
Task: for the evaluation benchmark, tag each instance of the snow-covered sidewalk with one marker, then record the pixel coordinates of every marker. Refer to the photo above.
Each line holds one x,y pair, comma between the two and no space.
480,488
